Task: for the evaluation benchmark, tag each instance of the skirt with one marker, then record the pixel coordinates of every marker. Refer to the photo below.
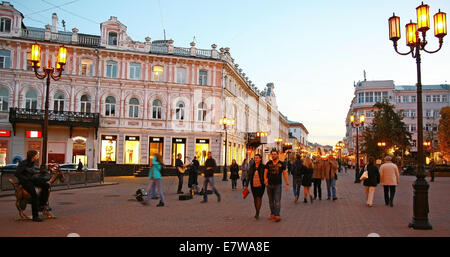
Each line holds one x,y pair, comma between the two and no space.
258,191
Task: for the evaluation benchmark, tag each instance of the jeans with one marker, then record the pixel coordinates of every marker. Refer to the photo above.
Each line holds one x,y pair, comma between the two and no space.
331,184
317,187
180,182
153,189
36,200
389,197
297,182
153,183
274,194
205,187
233,183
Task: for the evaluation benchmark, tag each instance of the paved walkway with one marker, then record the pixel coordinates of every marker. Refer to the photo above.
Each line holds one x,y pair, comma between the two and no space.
112,211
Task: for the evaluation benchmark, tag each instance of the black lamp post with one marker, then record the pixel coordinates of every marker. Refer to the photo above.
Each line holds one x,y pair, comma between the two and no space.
226,122
416,44
49,72
356,125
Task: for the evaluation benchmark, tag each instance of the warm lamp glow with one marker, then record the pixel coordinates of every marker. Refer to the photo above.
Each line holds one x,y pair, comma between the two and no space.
411,38
62,55
440,24
362,118
352,119
394,28
423,17
35,53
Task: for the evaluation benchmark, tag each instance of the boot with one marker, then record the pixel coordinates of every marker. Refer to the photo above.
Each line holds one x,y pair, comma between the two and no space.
160,204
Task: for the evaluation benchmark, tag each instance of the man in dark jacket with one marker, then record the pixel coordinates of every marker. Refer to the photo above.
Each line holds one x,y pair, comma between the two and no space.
180,172
297,172
25,173
210,166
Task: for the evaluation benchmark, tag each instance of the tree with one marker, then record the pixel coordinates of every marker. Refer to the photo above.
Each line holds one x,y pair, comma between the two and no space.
444,132
387,126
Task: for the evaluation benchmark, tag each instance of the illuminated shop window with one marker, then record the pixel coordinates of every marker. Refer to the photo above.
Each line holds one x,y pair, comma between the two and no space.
132,146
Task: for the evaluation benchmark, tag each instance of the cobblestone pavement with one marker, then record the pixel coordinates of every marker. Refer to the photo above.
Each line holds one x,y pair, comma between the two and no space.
112,211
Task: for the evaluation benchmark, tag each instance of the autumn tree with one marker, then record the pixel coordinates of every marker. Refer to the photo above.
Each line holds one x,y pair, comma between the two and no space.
444,132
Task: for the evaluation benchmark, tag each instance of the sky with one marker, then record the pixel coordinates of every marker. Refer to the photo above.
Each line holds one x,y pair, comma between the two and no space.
313,51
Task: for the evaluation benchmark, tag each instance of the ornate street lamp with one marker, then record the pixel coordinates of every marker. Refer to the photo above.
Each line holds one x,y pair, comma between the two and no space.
226,122
416,44
49,72
357,125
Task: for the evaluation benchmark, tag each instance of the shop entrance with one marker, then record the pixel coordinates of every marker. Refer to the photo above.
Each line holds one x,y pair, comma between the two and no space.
178,146
108,149
201,150
3,152
34,145
156,147
79,150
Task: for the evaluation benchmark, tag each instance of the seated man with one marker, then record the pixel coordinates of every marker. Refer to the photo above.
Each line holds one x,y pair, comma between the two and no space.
25,173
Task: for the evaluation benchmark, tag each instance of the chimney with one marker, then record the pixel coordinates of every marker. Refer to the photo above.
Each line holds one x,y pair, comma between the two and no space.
54,23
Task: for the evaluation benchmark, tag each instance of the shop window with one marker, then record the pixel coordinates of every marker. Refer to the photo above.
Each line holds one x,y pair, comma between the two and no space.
85,104
179,111
178,147
110,106
133,108
157,109
31,100
132,147
112,38
108,149
58,102
4,97
158,73
3,152
79,150
156,147
5,59
201,150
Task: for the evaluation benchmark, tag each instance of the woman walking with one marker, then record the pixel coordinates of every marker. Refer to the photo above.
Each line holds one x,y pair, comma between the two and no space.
234,174
155,177
372,181
297,171
256,181
389,177
307,179
318,176
244,176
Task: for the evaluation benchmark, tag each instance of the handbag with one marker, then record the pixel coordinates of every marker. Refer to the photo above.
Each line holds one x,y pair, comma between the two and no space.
365,174
245,193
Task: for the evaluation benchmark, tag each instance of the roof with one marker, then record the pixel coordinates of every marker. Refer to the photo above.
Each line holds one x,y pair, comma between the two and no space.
424,87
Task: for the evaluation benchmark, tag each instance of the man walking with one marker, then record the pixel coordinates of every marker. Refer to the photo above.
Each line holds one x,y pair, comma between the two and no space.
272,180
180,172
331,167
389,177
210,166
432,169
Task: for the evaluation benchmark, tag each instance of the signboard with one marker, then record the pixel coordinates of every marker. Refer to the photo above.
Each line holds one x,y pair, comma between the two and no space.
266,150
131,138
34,134
5,133
109,137
179,140
157,139
202,141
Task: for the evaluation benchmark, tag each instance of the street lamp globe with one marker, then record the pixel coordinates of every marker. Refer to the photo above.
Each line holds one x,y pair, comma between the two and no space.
440,24
394,28
423,17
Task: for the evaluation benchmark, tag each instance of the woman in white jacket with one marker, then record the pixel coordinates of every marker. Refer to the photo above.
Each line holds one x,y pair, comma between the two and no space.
389,177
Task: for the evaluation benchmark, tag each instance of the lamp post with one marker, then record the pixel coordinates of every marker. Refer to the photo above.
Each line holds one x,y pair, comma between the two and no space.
356,125
226,122
416,44
49,72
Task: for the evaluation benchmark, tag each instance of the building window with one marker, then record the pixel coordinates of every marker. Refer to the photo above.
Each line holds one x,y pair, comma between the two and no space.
436,98
31,100
436,113
112,38
158,73
405,99
179,111
385,95
5,59
133,108
4,97
413,128
87,67
428,127
435,127
203,78
85,104
377,97
406,113
135,71
369,97
399,99
369,114
181,75
157,109
201,111
360,98
110,106
444,98
428,113
58,102
111,69
413,99
414,143
5,25
428,98
413,113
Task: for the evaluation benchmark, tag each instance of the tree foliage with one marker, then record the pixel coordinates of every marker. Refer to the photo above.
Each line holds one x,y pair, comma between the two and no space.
444,132
387,126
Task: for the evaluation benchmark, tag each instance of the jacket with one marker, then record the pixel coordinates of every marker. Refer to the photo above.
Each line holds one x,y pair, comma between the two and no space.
297,169
155,170
244,174
234,171
389,175
326,169
210,166
251,174
318,172
374,176
25,170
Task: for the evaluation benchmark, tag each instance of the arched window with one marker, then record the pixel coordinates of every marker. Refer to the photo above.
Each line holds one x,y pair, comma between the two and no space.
134,108
158,73
110,106
85,104
179,111
4,97
201,111
31,100
58,102
157,109
112,38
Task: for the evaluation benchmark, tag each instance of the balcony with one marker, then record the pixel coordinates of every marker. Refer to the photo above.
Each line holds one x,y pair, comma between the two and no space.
56,118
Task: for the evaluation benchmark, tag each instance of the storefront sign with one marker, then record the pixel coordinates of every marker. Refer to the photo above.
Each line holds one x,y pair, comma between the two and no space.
202,141
157,139
109,137
5,133
34,134
131,138
179,140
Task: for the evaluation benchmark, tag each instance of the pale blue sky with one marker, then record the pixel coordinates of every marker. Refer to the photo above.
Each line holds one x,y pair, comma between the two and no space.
311,50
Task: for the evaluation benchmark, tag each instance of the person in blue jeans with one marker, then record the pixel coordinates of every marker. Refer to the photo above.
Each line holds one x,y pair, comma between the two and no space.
210,165
330,170
272,179
155,176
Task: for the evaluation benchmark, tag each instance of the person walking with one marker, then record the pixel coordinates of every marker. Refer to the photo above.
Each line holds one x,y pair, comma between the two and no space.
80,166
432,169
180,172
372,181
210,166
234,174
297,172
307,179
25,173
389,178
244,176
155,176
331,167
193,175
318,176
272,179
256,181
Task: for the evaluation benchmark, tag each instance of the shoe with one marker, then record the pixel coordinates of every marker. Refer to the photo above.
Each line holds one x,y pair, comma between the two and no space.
328,198
296,199
155,197
391,203
204,201
180,192
320,198
144,203
271,217
160,204
304,200
218,198
311,198
334,198
37,219
369,205
257,216
277,219
315,197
